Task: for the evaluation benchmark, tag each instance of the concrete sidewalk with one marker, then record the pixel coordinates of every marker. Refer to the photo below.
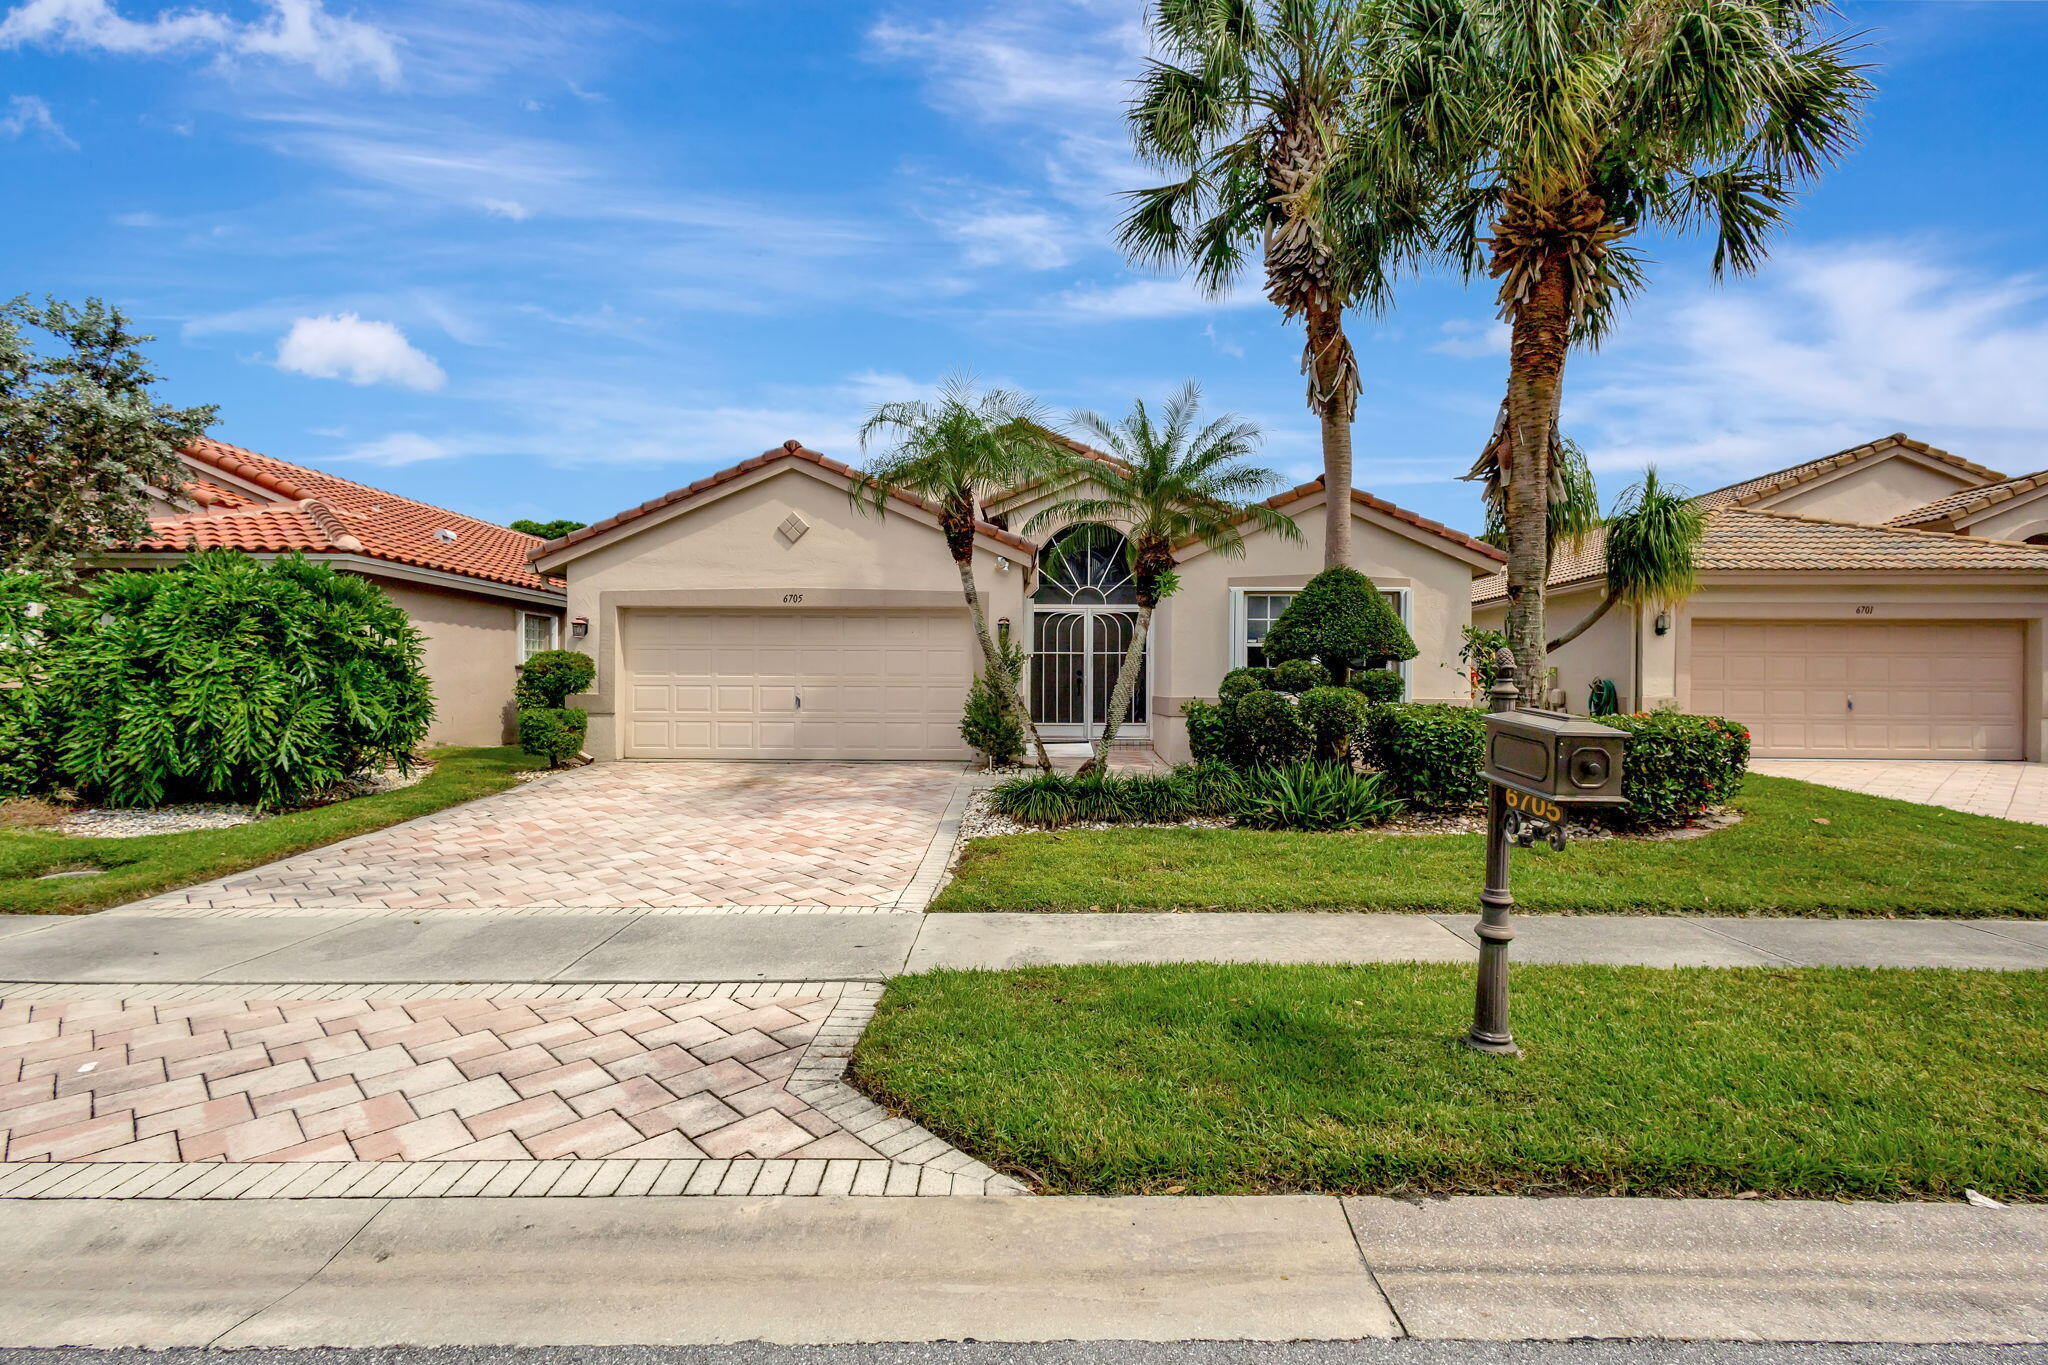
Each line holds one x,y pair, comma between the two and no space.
871,947
663,1271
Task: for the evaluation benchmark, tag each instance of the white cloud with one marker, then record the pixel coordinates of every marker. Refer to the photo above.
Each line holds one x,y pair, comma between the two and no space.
141,218
1027,238
1142,299
1469,340
505,208
29,114
402,448
299,32
1832,347
344,346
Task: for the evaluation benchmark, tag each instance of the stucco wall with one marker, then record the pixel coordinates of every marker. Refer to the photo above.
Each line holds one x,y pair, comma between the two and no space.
472,657
1872,491
1605,650
728,552
2016,520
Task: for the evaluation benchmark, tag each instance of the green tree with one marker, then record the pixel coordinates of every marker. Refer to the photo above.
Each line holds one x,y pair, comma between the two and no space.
1652,548
1340,620
1566,125
82,436
548,530
955,452
1248,101
1171,484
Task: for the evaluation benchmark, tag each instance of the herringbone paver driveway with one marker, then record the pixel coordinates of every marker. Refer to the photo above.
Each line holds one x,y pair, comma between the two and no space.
626,837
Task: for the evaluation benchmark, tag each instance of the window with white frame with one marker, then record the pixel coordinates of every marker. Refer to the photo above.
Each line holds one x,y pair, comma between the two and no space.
536,633
1254,610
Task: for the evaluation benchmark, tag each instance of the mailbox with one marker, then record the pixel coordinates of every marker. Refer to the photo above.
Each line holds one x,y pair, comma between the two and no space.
1555,755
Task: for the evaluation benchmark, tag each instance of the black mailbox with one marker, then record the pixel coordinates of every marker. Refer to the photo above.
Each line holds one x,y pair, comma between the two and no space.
1555,755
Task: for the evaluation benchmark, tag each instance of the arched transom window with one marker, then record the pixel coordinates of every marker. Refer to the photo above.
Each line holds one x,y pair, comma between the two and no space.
1085,566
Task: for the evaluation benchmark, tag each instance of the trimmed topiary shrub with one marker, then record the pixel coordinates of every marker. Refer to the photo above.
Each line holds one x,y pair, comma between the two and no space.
1267,730
1675,766
550,676
1336,719
1241,682
1208,731
553,732
1299,675
1377,684
1340,619
229,679
1432,753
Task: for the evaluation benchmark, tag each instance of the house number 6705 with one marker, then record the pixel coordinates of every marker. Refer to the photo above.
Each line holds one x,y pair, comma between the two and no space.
791,597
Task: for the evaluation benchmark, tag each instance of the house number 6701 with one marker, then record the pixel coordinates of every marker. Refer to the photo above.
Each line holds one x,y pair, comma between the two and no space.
792,597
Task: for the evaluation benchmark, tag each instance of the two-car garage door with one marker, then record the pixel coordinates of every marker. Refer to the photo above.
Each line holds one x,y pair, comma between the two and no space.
1838,689
797,684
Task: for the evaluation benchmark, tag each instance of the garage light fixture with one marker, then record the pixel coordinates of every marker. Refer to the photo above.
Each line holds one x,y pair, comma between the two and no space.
579,627
1663,623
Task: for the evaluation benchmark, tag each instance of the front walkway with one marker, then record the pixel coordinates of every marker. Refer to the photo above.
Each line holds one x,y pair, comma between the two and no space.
2010,791
632,837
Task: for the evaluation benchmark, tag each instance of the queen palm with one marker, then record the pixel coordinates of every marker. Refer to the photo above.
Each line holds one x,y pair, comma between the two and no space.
955,452
1247,102
1568,124
1170,484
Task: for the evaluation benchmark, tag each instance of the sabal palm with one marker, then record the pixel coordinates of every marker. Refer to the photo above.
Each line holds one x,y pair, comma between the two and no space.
1172,484
1568,124
1247,100
955,452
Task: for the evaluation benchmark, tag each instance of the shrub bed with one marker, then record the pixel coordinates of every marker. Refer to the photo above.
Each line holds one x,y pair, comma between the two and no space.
1674,766
1432,753
1303,796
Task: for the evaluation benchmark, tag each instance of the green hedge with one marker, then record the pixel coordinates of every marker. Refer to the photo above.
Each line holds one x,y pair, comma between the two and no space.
1674,766
1432,753
554,733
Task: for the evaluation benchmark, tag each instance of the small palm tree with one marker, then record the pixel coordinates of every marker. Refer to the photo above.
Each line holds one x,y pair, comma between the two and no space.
1171,484
1653,541
955,452
1567,124
1248,102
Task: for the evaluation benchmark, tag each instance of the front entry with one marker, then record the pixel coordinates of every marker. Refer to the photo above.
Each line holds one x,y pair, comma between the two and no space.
1082,616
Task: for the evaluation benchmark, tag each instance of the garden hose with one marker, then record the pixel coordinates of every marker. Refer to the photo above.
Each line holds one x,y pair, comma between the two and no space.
1602,699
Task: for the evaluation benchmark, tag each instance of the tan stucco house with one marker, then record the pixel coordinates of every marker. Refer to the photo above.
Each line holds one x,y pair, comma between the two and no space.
759,613
466,584
1886,601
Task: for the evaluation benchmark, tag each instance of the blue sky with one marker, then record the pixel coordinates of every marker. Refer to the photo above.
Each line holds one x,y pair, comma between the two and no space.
541,259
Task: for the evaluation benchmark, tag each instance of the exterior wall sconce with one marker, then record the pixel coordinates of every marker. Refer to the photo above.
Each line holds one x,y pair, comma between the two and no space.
1663,624
1002,565
579,627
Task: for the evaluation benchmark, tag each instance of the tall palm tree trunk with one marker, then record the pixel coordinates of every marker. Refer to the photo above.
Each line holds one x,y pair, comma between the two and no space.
1126,686
1536,354
1333,393
992,659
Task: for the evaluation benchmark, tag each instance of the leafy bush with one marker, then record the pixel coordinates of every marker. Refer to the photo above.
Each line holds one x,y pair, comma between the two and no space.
554,733
1052,799
1674,766
988,722
1316,796
1336,719
548,677
229,679
1377,684
1267,730
1299,675
1480,654
33,617
1432,753
1242,682
1208,730
1340,619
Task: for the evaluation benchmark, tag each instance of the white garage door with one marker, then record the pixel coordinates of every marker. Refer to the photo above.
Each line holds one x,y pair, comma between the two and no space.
1829,689
796,684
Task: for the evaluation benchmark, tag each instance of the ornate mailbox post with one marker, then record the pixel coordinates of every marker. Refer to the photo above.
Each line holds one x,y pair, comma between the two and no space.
1538,763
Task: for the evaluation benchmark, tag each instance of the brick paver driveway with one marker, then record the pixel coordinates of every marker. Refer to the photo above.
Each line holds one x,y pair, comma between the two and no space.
629,837
2011,791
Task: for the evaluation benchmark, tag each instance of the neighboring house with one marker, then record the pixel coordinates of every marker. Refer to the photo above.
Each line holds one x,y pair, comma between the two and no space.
758,613
1888,601
465,583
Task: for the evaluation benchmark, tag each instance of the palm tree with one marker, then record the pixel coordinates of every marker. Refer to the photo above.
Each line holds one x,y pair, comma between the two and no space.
1248,101
1653,539
1573,511
1169,485
1568,124
955,452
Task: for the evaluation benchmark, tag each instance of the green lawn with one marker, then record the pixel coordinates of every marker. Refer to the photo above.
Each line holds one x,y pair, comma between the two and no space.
1873,856
1229,1079
151,863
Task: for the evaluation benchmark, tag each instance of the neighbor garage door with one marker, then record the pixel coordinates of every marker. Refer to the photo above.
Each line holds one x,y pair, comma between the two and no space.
1827,689
796,684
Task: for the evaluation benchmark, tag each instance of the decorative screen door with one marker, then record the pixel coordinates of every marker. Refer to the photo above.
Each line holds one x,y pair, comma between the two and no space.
1082,616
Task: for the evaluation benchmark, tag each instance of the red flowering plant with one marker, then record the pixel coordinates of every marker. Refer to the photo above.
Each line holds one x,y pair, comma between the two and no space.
1674,766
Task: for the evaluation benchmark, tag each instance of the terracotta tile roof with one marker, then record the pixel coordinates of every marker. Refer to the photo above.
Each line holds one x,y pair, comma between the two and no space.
321,513
1753,540
1956,506
1378,504
788,450
1763,485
